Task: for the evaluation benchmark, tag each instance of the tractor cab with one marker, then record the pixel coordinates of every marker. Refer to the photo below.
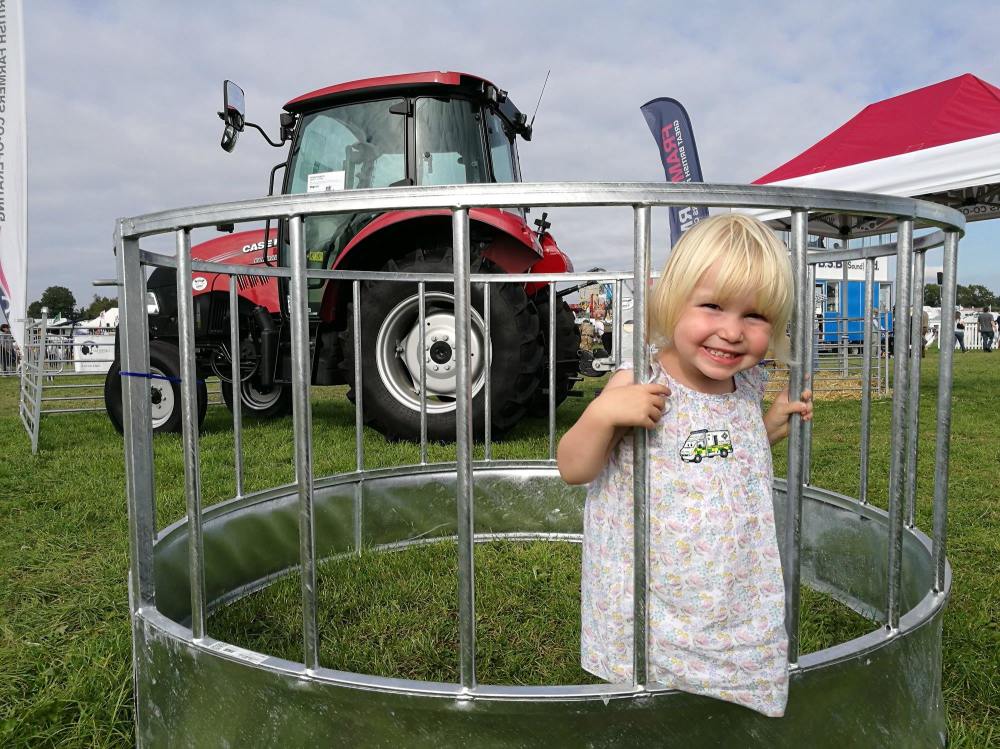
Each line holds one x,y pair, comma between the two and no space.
433,128
417,129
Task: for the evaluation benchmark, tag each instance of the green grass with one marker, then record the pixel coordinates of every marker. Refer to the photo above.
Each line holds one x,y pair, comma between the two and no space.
65,654
396,615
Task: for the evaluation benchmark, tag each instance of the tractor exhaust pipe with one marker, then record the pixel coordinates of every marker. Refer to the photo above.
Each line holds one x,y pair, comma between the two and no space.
268,346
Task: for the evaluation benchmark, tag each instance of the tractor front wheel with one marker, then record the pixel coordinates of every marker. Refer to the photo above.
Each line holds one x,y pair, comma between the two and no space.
391,357
258,404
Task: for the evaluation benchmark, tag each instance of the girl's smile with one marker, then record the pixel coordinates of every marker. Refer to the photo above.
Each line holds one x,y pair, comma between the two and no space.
715,338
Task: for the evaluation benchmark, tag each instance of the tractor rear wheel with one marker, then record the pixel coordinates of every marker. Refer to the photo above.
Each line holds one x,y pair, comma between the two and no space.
164,390
567,348
391,358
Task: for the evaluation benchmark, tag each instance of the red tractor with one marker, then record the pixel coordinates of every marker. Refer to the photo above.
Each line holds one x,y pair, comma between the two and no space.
433,128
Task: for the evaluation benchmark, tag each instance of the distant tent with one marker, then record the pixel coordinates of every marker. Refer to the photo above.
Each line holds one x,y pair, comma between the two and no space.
940,143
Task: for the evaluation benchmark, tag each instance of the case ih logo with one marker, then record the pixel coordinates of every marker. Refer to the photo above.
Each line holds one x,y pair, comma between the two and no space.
256,246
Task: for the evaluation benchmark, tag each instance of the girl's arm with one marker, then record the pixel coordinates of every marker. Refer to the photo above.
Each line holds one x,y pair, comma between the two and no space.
777,416
585,448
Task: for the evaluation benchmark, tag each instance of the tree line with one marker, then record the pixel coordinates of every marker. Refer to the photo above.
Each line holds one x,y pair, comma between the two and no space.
975,295
61,303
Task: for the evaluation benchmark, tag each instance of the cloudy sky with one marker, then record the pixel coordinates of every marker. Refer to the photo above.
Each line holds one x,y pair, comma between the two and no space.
122,96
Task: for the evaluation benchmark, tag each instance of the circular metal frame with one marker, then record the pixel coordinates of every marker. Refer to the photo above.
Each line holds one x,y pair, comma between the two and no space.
882,688
397,508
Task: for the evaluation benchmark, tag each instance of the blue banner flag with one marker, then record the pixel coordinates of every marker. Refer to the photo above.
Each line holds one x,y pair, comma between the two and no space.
672,131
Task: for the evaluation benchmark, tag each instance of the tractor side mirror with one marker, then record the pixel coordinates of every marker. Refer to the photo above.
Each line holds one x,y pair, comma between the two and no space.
233,114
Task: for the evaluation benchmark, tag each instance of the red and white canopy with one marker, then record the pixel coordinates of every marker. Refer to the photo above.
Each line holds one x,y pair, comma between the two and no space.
940,143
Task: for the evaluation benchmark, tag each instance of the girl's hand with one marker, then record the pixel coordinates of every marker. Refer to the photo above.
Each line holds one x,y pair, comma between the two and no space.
631,405
777,416
584,450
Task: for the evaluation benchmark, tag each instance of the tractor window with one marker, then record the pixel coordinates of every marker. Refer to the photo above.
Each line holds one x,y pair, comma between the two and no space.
350,147
501,148
449,142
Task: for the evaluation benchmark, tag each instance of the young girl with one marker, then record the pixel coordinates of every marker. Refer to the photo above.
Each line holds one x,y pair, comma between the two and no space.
716,602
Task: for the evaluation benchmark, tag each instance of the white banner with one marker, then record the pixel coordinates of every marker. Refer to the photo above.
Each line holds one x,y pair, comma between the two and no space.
93,352
13,170
834,270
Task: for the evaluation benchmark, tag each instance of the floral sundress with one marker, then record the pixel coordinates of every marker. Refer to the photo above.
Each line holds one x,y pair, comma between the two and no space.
716,601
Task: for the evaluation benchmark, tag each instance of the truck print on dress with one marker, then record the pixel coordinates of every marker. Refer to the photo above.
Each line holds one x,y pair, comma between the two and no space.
706,443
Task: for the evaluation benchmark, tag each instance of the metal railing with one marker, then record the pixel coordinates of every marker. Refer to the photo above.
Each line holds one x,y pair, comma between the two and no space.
32,376
63,371
639,198
10,356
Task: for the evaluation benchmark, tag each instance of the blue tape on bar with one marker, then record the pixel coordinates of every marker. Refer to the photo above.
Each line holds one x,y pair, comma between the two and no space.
151,376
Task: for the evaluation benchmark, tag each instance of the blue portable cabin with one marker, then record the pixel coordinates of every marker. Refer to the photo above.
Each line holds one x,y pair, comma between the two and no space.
834,301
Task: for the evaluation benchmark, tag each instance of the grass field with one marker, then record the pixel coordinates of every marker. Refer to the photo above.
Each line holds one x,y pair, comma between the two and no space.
64,635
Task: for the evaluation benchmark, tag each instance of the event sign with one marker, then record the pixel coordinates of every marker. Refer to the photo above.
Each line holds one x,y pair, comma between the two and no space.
93,352
671,128
833,270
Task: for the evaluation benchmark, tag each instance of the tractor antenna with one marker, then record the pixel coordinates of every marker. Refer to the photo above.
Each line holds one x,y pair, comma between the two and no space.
539,99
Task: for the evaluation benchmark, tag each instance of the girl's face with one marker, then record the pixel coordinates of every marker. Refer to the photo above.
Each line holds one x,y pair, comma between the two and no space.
715,339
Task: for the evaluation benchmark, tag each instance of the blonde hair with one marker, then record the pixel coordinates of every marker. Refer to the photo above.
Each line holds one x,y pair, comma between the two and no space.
748,258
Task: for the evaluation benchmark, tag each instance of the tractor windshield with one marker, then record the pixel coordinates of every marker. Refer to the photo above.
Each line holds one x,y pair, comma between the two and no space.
365,145
350,147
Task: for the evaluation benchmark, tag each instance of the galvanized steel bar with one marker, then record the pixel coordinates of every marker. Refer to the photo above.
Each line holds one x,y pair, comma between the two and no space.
81,386
56,398
422,321
924,242
880,348
359,516
298,308
359,407
72,397
488,386
189,423
463,446
913,399
887,323
901,389
36,405
237,380
474,278
136,422
801,318
545,194
844,323
808,379
619,324
866,379
942,447
640,441
552,370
